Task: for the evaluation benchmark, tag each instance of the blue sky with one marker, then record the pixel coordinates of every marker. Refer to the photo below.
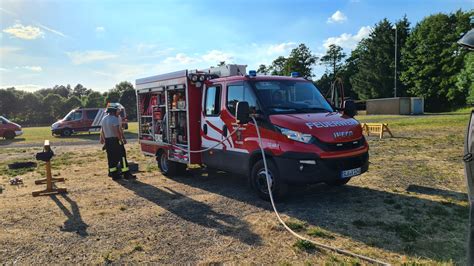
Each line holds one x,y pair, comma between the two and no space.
100,43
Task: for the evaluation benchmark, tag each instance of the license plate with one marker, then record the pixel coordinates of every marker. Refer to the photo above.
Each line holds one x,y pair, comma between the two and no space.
350,172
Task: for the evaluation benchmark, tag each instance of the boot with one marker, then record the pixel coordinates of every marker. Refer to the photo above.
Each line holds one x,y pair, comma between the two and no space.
129,176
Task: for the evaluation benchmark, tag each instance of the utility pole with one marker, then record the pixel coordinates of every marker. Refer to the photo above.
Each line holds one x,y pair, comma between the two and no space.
395,74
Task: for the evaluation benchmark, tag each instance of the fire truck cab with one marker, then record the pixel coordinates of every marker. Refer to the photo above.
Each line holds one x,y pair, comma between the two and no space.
305,139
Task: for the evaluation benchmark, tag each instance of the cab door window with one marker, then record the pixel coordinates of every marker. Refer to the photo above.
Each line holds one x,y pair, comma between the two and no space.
240,92
91,114
212,103
77,115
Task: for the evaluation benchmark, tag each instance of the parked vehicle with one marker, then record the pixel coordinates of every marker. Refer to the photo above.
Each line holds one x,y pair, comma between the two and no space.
8,129
83,120
305,139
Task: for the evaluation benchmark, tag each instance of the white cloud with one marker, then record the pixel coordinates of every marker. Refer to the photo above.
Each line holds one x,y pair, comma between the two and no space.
24,32
78,58
337,17
216,56
31,68
347,40
211,58
53,30
6,50
24,87
3,69
99,29
281,48
180,58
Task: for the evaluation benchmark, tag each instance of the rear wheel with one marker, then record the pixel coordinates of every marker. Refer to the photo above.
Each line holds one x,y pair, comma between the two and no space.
66,132
337,182
9,135
258,181
167,167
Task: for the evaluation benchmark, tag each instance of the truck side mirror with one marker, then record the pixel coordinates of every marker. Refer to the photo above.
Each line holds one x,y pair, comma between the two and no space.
350,108
242,112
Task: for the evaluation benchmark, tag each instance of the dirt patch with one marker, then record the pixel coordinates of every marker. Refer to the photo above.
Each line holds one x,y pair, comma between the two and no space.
410,207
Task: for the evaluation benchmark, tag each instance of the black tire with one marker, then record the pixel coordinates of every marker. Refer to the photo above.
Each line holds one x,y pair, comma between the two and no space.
66,132
9,135
259,183
337,182
169,168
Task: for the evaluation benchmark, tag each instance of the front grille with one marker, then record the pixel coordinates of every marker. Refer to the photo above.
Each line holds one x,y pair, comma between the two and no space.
341,146
345,163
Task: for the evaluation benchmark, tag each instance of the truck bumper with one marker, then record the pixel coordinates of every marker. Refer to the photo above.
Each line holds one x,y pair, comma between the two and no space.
18,133
307,168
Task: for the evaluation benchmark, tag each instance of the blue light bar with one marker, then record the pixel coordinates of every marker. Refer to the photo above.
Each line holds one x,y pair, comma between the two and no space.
295,74
252,73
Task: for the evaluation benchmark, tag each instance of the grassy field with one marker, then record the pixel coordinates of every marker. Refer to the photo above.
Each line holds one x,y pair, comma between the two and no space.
36,135
410,208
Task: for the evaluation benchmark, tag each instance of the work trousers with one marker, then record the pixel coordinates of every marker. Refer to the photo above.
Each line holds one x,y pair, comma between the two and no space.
116,155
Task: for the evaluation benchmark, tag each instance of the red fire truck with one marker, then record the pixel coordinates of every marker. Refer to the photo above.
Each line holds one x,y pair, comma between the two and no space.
305,138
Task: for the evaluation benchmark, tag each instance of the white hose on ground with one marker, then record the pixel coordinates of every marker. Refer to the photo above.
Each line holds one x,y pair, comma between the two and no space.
321,245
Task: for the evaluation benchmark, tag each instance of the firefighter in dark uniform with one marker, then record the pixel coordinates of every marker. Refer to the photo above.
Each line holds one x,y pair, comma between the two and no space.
112,136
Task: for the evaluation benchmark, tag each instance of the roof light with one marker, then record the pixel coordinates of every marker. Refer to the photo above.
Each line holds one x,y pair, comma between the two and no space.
252,73
295,74
194,78
202,78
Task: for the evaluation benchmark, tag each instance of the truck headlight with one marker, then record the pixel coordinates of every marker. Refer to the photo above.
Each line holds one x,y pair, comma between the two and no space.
295,135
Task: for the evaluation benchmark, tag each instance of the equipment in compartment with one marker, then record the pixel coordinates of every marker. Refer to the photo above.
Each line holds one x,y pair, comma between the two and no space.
152,112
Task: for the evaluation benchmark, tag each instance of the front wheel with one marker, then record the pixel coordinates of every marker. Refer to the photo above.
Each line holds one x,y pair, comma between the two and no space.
167,167
66,132
9,135
258,181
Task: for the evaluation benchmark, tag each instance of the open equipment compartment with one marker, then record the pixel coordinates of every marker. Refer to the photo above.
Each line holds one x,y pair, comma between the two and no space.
166,117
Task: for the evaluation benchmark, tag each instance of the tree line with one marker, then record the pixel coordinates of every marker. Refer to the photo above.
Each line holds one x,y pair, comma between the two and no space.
47,105
429,62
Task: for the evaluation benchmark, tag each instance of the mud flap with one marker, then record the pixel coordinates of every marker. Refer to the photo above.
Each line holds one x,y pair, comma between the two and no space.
469,172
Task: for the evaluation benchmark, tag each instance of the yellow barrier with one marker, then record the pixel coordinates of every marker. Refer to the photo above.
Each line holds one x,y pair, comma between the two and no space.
376,128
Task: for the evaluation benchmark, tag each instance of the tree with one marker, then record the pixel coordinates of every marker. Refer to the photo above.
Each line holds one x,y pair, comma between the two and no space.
123,86
71,103
324,83
95,100
433,60
9,102
333,58
112,96
129,101
53,103
374,75
278,66
79,91
465,78
263,69
301,60
221,63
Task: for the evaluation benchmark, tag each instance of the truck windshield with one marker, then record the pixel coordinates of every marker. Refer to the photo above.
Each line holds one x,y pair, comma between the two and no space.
287,96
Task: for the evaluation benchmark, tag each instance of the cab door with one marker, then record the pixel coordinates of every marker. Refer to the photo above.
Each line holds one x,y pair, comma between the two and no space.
211,126
238,154
88,120
74,121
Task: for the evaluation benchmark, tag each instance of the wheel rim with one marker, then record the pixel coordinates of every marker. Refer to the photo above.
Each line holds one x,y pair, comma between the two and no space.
261,181
164,162
67,132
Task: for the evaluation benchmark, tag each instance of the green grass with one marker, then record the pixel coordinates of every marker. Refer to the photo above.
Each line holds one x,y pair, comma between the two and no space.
304,245
39,134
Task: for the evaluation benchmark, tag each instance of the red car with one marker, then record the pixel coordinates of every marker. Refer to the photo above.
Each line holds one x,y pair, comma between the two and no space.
8,129
83,120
